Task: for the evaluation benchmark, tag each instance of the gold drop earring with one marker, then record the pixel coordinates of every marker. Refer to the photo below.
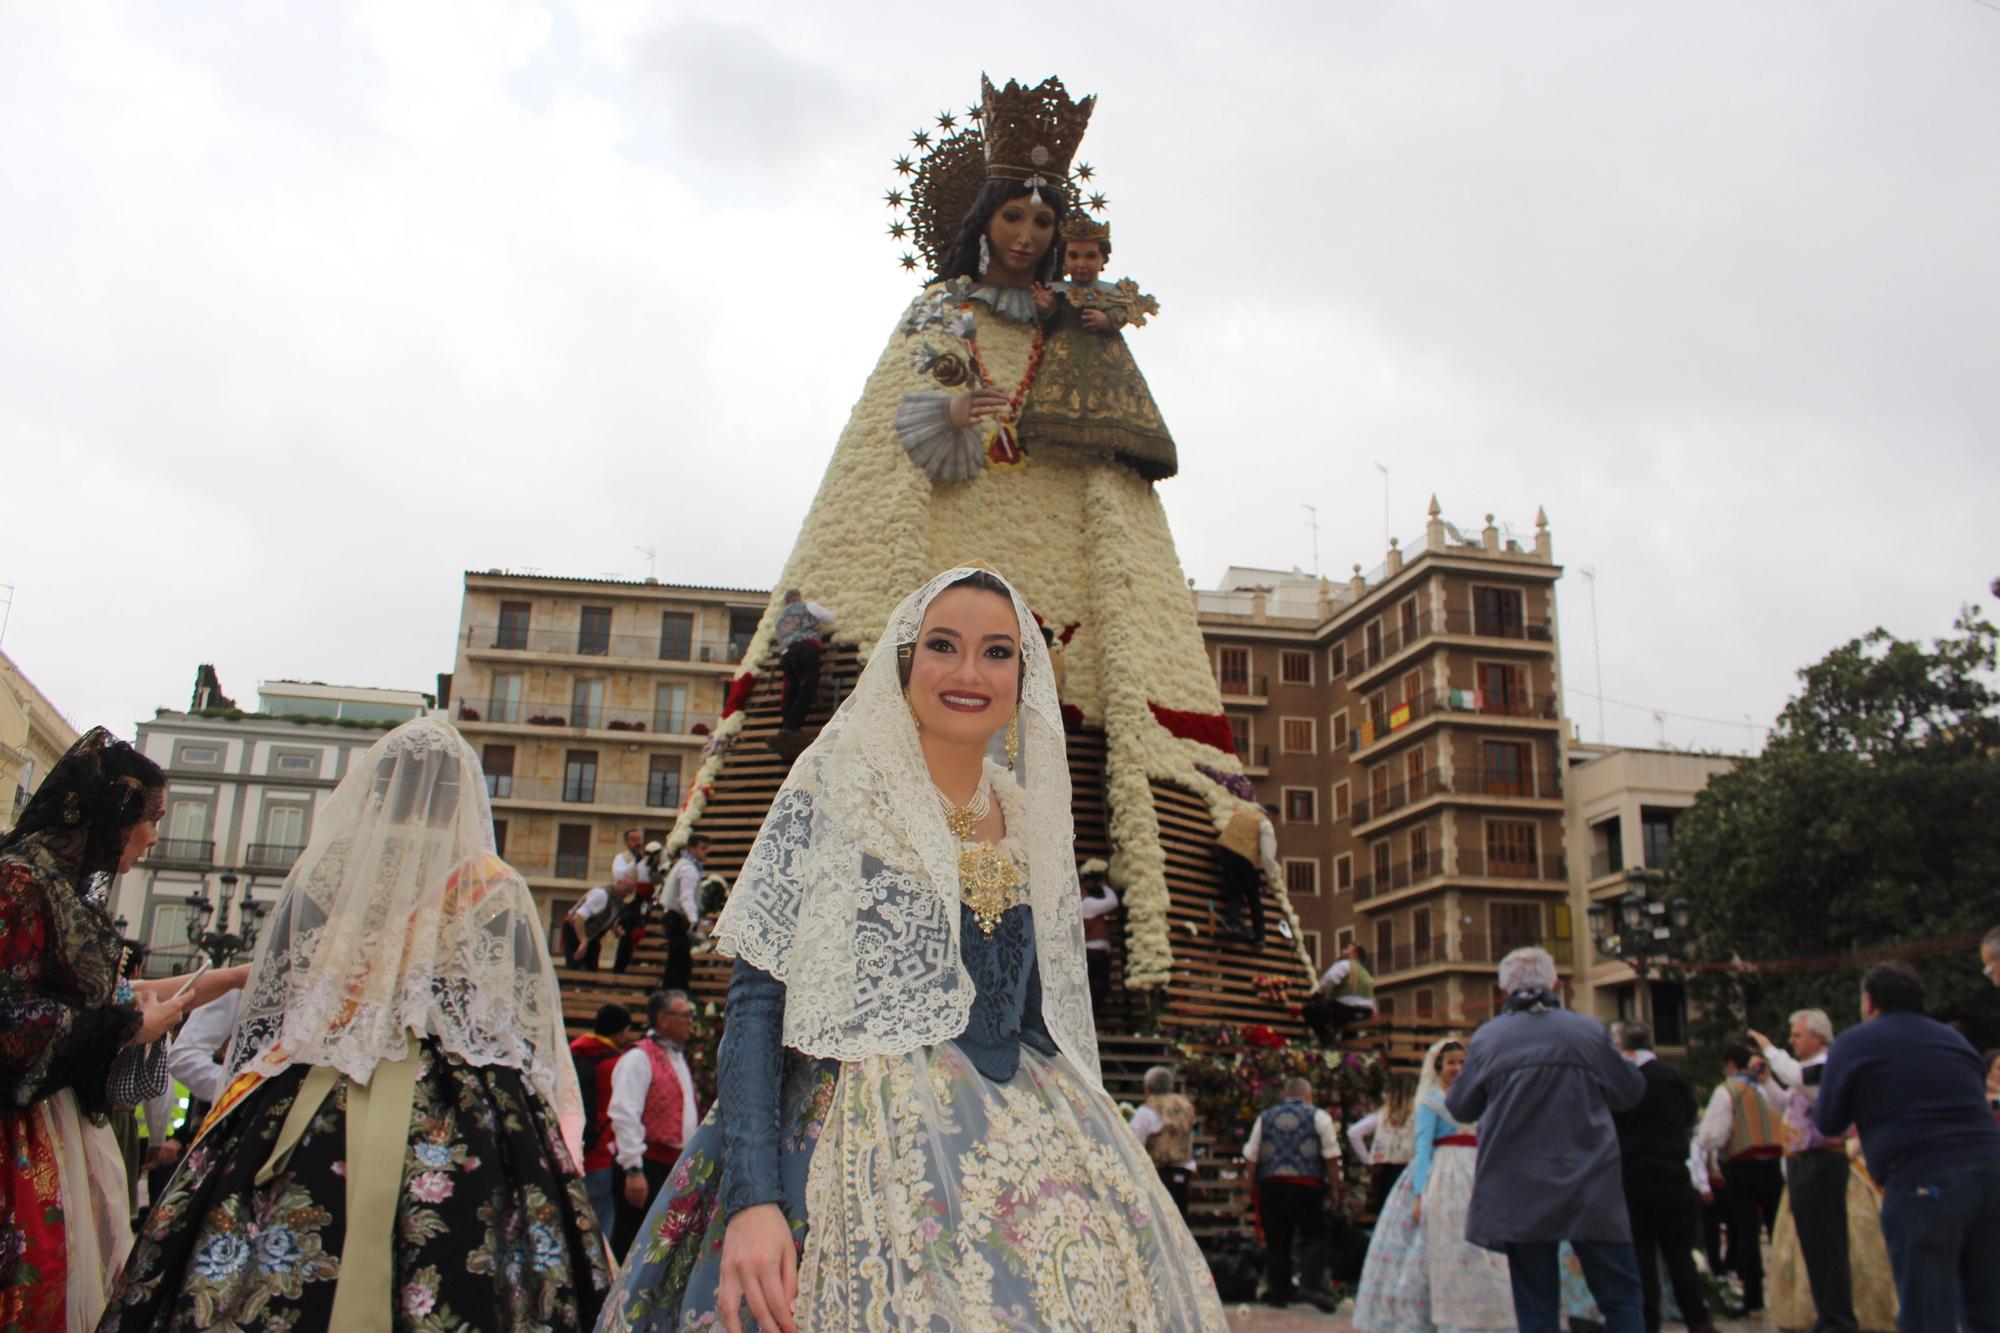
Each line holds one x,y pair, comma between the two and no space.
1014,737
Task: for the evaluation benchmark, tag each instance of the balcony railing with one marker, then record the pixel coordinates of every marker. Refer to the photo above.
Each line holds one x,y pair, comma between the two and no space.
1394,719
1496,782
1397,795
1477,948
1475,863
579,643
1244,687
193,851
651,795
1254,756
271,855
1470,948
1400,875
1406,633
1407,711
583,717
1604,863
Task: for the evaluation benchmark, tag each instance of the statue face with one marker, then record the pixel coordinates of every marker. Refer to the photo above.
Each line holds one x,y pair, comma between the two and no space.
1083,261
1020,232
965,673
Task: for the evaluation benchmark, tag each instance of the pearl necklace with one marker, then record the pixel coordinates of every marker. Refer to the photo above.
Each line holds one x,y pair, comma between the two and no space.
964,820
988,882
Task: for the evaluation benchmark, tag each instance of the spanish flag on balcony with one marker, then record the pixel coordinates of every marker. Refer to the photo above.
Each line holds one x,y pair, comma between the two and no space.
1399,716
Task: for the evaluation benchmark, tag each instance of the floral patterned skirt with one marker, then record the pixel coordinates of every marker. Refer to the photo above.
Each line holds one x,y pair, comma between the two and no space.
939,1200
1788,1290
491,1232
64,1220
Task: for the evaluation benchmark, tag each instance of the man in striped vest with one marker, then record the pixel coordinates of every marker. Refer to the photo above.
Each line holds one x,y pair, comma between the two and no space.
1744,1127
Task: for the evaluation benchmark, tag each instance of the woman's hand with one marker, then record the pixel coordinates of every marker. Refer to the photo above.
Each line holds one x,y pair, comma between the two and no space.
212,984
982,402
156,1016
759,1265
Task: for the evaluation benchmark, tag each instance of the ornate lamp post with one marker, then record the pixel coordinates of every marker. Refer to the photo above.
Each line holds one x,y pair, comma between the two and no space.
223,928
1642,929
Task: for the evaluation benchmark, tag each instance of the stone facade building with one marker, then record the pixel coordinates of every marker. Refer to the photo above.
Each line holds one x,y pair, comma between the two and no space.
33,735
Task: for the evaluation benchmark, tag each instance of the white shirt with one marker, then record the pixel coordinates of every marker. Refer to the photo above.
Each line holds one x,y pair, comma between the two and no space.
191,1055
1361,1134
1329,1137
1719,1117
1095,906
631,1080
627,866
1790,1071
684,887
593,902
1146,1122
1267,853
1336,974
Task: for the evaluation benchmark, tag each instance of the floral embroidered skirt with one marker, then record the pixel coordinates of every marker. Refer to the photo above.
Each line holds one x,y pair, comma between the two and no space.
490,1232
1788,1290
64,1221
939,1200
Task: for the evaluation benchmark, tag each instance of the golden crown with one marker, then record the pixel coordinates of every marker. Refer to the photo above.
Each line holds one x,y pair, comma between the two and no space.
1015,133
1082,227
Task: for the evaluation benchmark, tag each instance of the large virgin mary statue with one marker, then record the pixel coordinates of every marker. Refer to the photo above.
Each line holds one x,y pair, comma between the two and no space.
997,429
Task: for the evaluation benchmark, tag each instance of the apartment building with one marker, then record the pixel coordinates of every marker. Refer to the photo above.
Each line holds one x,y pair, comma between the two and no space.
589,701
1405,729
33,735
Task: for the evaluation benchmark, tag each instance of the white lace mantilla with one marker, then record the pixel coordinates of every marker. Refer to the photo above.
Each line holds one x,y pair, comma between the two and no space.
850,895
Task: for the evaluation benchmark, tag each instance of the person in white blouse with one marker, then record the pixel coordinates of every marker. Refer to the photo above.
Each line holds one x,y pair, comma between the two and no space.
1385,1140
682,901
1100,900
649,1127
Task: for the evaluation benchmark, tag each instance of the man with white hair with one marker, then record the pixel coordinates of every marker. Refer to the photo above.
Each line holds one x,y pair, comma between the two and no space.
1543,1084
1815,1169
1165,1125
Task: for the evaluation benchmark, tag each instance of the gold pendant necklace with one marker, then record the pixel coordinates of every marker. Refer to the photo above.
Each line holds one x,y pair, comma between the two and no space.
988,882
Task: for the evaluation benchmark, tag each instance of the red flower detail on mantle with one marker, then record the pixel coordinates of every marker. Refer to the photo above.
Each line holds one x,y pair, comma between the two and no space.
1210,729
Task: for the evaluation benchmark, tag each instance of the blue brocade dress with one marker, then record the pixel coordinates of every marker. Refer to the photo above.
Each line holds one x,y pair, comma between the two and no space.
982,1183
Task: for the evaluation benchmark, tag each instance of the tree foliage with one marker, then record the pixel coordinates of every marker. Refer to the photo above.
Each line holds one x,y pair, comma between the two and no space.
1871,819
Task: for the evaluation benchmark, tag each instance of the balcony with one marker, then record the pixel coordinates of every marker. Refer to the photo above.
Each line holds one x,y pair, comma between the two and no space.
1410,711
651,795
1244,688
271,856
1400,875
1464,624
495,711
1471,948
1493,782
1394,797
1478,782
1254,758
1604,864
183,851
702,650
1475,864
1474,948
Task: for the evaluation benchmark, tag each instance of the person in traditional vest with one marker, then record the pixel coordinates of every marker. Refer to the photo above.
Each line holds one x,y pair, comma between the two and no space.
595,1054
653,1110
1744,1127
1294,1149
1100,900
1247,848
1165,1124
1351,986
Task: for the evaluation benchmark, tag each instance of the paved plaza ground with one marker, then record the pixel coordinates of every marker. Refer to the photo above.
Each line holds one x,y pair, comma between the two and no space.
1304,1319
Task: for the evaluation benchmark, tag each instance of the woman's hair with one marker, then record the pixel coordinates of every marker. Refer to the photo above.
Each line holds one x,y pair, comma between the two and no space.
89,801
979,579
1402,1096
1452,1045
962,259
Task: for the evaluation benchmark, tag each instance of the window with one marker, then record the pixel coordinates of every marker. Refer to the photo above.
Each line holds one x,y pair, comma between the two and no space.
1342,938
1343,799
1510,848
572,851
1385,944
1336,661
1378,713
742,627
1504,769
593,632
670,706
676,636
1425,1004
1413,685
1310,938
1301,877
498,760
663,781
505,705
1414,765
580,776
168,931
500,837
1378,790
1656,835
1295,668
1406,616
197,756
295,763
1380,854
1496,612
1515,926
1420,853
1295,735
1340,730
586,704
1607,847
1503,689
1233,670
1420,934
1343,873
285,826
187,821
1239,735
513,625
1385,1008
1300,807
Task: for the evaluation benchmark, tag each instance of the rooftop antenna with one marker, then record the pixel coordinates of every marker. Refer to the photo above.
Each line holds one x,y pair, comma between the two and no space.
1312,521
1660,721
652,560
1385,502
1589,573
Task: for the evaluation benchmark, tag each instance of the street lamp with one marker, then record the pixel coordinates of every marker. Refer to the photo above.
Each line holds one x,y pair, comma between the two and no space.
1642,929
223,928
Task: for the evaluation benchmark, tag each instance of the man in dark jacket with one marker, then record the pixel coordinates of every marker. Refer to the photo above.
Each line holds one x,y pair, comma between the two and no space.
1659,1193
1543,1083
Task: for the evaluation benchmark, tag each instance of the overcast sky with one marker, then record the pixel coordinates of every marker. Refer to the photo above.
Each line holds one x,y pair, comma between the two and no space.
306,309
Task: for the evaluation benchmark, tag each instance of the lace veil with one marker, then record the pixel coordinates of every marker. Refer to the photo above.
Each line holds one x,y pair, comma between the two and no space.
399,919
1429,1089
850,895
